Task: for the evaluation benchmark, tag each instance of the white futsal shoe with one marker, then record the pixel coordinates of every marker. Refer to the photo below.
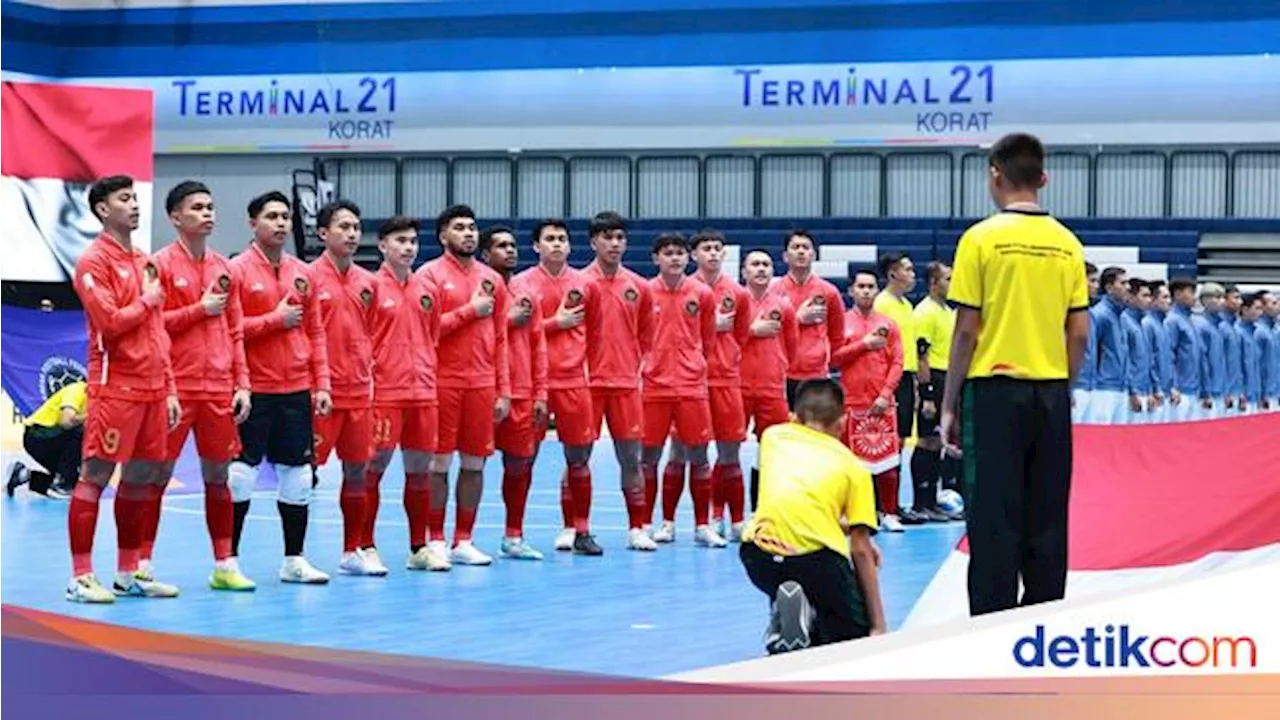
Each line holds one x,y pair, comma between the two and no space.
465,553
705,536
736,530
891,523
517,549
564,541
373,561
86,589
360,563
638,539
298,569
433,556
665,533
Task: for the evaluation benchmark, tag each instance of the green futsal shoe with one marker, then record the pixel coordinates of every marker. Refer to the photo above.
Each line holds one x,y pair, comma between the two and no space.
231,579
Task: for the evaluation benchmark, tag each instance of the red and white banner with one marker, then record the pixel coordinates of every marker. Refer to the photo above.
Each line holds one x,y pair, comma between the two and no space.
1151,504
58,139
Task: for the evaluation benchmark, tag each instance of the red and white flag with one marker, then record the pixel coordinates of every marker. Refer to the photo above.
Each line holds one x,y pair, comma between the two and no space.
1152,504
57,140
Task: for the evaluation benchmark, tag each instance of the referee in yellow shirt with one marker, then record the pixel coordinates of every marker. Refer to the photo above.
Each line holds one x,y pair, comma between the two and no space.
52,436
1021,329
808,547
935,324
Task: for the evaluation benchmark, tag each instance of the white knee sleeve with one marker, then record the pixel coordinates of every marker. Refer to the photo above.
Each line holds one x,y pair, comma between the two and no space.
241,478
294,486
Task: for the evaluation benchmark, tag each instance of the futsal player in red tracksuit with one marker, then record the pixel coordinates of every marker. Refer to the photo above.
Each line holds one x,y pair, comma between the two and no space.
724,378
474,383
405,327
344,292
623,329
567,300
870,364
675,384
133,402
767,354
205,324
819,311
519,435
285,346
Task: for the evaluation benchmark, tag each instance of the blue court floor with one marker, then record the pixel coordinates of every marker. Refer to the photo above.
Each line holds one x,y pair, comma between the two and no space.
626,613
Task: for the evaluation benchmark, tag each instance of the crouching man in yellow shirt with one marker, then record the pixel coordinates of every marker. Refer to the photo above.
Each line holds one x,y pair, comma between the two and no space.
811,534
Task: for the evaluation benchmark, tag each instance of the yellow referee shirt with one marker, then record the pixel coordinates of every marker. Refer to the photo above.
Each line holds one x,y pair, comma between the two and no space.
899,310
1024,271
808,482
935,324
47,415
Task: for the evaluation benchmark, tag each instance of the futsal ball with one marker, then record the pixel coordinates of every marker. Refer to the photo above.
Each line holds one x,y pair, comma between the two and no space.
950,501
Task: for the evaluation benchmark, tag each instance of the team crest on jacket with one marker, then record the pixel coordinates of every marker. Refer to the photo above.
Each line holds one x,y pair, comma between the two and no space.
300,283
727,304
631,295
819,300
151,271
487,286
224,282
425,302
575,297
691,307
775,315
366,296
526,303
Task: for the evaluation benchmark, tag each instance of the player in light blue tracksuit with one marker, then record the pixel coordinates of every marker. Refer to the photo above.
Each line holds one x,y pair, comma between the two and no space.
1088,367
1109,402
1268,334
1138,363
1161,350
1231,349
1188,352
1250,353
1213,365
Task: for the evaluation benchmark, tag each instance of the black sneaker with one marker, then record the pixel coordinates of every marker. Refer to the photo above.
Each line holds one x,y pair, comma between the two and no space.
911,516
18,476
791,621
935,515
584,544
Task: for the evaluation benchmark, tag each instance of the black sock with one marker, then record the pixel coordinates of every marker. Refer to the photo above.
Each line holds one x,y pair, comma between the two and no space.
949,469
293,520
413,549
924,478
755,488
241,510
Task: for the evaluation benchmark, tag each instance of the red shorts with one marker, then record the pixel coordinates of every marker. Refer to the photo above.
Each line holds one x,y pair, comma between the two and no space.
690,416
728,418
411,428
214,423
765,412
466,421
573,414
622,407
350,431
118,430
517,436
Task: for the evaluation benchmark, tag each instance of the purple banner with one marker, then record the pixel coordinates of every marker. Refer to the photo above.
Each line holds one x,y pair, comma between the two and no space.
41,352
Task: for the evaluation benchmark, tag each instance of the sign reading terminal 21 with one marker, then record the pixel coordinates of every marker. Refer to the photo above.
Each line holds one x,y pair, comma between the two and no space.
959,91
363,96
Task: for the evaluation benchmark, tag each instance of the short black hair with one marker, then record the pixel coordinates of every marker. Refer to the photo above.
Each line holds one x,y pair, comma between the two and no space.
1136,285
669,239
1110,275
397,224
798,232
706,235
604,222
748,254
1179,284
1230,288
451,213
557,223
1155,285
863,270
1020,159
888,260
325,216
1090,268
103,189
257,204
1249,300
486,236
182,191
819,401
934,270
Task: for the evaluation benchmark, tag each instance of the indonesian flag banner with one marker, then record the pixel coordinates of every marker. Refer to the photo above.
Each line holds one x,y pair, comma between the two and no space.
1152,504
57,140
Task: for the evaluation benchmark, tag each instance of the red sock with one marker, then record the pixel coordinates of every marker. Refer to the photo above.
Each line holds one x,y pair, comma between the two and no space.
637,505
580,487
151,520
82,523
417,503
700,489
717,492
672,487
352,502
132,504
650,492
733,491
566,500
887,484
466,522
372,503
515,494
219,517
435,522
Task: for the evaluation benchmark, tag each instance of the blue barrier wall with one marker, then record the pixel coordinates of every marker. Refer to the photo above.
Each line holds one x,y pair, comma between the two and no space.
487,34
